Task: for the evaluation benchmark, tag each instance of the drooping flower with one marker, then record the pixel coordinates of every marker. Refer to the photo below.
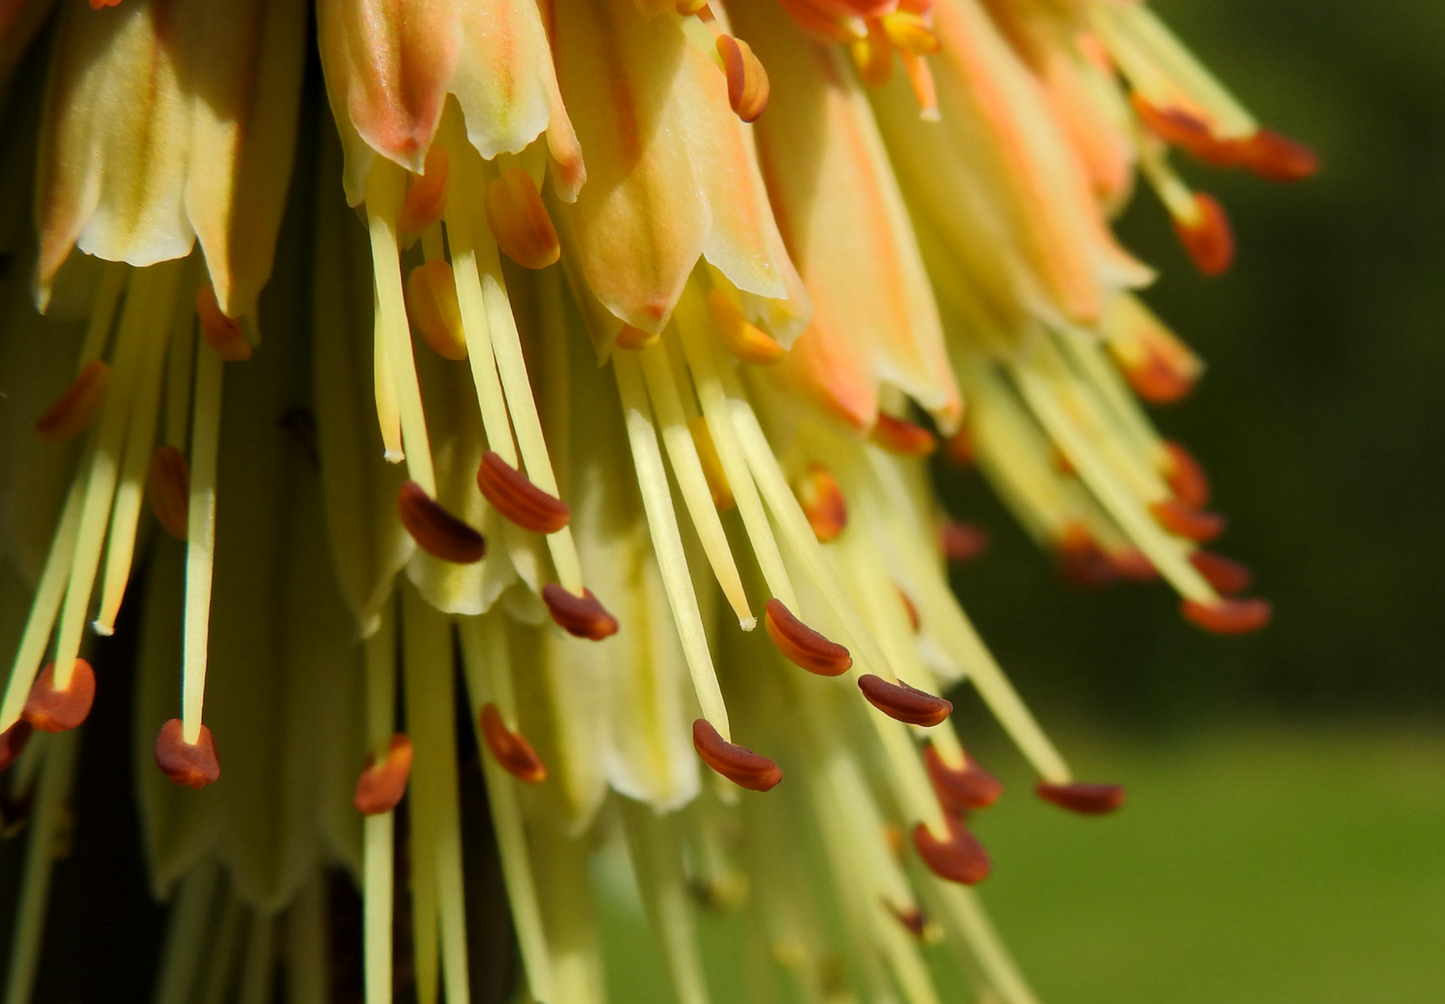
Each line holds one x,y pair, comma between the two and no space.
639,331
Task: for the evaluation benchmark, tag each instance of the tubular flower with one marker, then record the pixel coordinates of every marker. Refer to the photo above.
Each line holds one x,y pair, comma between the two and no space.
597,336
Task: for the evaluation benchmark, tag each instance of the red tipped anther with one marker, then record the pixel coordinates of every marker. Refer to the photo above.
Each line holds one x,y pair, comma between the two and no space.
1227,576
511,749
961,541
903,437
168,489
822,501
73,412
1156,379
1185,476
1207,236
913,919
904,703
195,766
51,710
961,788
1186,521
1228,616
1084,799
738,764
1278,158
381,785
13,742
518,499
802,645
581,615
961,858
436,531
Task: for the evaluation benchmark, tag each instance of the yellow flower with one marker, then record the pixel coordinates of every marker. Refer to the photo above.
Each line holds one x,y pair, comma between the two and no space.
456,481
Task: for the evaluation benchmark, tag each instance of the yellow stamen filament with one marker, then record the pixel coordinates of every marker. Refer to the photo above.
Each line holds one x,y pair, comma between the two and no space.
519,221
378,892
102,312
656,853
200,540
188,934
431,304
388,406
180,360
968,919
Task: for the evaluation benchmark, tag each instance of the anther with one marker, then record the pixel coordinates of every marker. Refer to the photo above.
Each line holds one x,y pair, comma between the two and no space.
747,80
910,609
103,4
1081,560
1278,158
1206,235
961,858
822,501
959,448
1186,521
904,703
961,541
1227,576
437,531
168,489
712,468
1154,377
51,710
1133,564
913,919
742,337
633,338
431,305
1084,799
519,221
73,412
1185,476
381,785
426,195
1228,616
195,766
222,333
961,788
13,742
516,498
738,764
908,33
873,55
802,645
581,616
511,749
899,436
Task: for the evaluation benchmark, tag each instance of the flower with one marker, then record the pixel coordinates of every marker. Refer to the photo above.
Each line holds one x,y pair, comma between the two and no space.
789,264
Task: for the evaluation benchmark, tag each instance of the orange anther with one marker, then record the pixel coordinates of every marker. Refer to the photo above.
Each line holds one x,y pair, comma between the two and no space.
1155,379
222,333
904,703
13,742
959,447
960,858
1206,235
633,338
582,616
520,222
1186,521
1173,125
899,436
511,749
1277,158
822,501
52,710
517,499
1131,563
961,541
743,339
73,412
907,32
873,55
747,80
195,766
1081,560
168,489
712,468
802,645
738,764
437,531
1185,476
1228,616
1084,799
961,788
381,785
909,609
103,4
431,304
426,195
1227,576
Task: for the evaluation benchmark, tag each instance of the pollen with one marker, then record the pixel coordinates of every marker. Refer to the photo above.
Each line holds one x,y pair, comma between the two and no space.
1227,576
738,764
802,645
962,788
1185,476
518,499
1228,616
1196,524
1082,799
193,765
168,490
57,705
582,616
897,435
1206,235
437,531
76,409
381,784
904,703
520,222
960,858
511,749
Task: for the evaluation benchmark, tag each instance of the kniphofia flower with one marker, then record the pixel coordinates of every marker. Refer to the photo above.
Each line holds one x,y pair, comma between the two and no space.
636,337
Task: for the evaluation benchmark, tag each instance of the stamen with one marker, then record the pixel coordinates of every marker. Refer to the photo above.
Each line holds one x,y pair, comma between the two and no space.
747,80
822,501
56,706
959,449
511,749
712,468
378,831
902,437
222,333
13,742
738,764
437,531
582,616
1186,521
168,488
1206,235
960,859
1228,616
961,789
381,785
743,338
194,764
1278,158
873,55
908,33
802,645
200,541
76,409
1185,476
961,541
517,499
904,703
1227,576
1084,799
913,920
909,609
431,305
519,221
633,338
426,194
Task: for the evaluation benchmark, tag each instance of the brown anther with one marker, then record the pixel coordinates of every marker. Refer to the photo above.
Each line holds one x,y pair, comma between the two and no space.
961,541
743,338
1185,476
913,919
712,468
822,501
909,33
1228,616
74,410
13,742
103,4
1207,235
1131,563
511,749
1186,521
432,308
436,531
195,766
747,80
426,195
1227,576
1084,799
903,437
961,789
581,615
222,333
738,764
168,490
802,645
52,710
520,222
633,338
1278,158
516,498
381,785
1173,125
1081,560
961,858
959,447
1155,378
909,609
904,703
